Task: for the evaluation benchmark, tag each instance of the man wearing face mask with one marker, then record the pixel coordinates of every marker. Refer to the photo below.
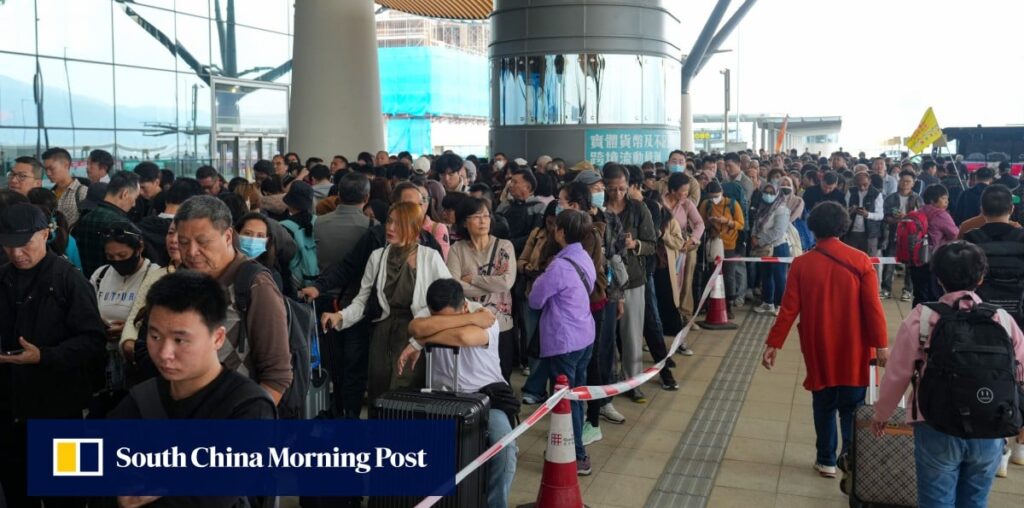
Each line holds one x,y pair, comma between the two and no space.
866,213
723,219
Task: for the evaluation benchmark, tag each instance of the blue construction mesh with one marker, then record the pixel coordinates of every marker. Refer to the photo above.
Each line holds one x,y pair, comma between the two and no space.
412,134
419,81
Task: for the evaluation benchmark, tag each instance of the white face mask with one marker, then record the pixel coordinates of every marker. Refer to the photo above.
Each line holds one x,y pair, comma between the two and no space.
498,164
716,199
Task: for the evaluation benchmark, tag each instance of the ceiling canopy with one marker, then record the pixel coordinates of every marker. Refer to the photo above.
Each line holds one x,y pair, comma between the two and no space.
449,9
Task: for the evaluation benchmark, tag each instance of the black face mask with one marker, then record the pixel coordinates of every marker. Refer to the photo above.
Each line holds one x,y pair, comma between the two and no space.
126,267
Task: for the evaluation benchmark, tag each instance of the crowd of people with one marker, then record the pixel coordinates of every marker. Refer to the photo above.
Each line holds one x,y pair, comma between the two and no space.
134,290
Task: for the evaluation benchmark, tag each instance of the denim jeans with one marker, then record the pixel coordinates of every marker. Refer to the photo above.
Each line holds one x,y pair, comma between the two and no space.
735,275
574,366
826,403
773,277
953,471
502,468
654,332
536,382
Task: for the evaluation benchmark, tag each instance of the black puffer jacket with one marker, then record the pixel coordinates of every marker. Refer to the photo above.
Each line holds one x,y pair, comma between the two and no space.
59,315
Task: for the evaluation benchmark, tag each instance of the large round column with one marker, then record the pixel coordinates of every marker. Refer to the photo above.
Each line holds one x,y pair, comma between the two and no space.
685,123
335,95
586,79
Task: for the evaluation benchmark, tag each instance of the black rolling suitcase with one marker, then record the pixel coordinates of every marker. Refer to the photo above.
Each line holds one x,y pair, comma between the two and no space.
469,410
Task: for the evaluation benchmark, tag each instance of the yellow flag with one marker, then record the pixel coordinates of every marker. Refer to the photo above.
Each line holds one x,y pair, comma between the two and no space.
927,132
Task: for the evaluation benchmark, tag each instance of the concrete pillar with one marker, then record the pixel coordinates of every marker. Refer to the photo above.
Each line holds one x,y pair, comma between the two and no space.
335,96
685,123
753,136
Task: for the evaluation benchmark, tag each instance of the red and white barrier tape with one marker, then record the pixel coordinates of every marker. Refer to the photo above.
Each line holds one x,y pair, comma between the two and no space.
770,259
578,393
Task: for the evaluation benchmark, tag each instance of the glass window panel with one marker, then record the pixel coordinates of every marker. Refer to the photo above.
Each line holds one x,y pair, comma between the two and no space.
56,106
197,7
193,114
15,143
619,81
512,104
673,91
194,36
80,142
573,88
79,29
134,146
653,89
251,109
17,105
265,14
259,51
21,15
146,99
591,64
135,45
92,94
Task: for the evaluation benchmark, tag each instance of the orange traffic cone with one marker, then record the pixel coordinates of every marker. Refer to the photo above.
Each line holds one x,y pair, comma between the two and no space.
559,486
717,317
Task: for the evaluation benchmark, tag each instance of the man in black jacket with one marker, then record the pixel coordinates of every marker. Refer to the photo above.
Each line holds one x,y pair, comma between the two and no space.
969,203
48,313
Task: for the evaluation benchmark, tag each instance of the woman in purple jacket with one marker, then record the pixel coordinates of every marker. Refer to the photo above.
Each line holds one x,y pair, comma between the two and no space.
941,230
562,293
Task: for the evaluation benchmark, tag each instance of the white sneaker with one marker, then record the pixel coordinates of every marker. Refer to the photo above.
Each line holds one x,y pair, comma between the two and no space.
774,311
1017,453
608,412
739,302
825,471
1003,462
763,308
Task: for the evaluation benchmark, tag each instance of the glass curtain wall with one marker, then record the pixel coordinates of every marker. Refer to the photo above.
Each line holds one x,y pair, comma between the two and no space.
588,88
135,77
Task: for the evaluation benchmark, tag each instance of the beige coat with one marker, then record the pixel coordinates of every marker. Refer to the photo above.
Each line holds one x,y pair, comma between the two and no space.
673,240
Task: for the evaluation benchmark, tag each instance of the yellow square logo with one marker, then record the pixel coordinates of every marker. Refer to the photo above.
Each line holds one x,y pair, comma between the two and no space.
77,457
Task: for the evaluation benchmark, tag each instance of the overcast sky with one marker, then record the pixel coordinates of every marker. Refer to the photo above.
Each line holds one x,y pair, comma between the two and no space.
877,63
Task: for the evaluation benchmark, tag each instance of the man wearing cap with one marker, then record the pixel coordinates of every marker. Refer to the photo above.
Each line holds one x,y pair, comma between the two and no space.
70,192
49,315
151,197
421,166
122,191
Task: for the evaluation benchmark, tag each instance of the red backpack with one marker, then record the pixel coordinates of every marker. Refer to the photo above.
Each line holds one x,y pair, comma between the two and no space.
912,239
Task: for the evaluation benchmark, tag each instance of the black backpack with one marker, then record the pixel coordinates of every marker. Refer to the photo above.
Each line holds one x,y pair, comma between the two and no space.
971,387
301,329
1004,282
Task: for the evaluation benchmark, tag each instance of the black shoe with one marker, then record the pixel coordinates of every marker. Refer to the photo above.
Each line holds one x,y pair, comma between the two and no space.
670,385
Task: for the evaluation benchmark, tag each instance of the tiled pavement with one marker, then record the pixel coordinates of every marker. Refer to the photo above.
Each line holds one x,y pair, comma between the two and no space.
692,447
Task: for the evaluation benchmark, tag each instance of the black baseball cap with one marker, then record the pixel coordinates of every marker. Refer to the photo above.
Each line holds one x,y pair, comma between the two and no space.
300,196
19,222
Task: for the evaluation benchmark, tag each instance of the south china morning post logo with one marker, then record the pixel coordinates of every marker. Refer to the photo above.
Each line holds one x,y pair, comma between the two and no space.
77,457
241,457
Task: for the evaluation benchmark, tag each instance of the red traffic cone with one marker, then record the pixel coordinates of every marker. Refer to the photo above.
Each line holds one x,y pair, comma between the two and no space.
717,317
559,485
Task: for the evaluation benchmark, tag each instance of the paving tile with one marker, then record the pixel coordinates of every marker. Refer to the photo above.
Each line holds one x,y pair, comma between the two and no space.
748,475
642,463
758,428
755,450
801,433
791,501
665,420
619,490
728,497
804,481
775,411
651,439
799,455
766,394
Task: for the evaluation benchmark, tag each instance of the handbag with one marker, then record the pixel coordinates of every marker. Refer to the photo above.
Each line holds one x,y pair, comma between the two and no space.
373,310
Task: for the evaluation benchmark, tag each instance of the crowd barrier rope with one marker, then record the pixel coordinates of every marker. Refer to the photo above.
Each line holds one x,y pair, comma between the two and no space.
579,393
769,259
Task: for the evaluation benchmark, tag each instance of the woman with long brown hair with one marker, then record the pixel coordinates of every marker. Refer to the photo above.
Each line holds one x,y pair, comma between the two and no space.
393,291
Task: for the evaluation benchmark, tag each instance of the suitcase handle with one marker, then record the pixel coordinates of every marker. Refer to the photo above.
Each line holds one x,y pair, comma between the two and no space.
429,348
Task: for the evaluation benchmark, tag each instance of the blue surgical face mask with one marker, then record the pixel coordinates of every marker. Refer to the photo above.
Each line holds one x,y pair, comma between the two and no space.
676,168
768,198
251,246
558,209
597,199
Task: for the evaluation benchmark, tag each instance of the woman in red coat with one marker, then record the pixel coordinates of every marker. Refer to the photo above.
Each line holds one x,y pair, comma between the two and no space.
834,290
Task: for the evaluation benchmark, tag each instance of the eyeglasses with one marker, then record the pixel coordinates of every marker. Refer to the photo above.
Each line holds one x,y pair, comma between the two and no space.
479,217
20,177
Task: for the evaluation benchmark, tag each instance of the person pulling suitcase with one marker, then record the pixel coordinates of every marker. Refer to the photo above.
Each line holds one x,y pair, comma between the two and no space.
964,360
